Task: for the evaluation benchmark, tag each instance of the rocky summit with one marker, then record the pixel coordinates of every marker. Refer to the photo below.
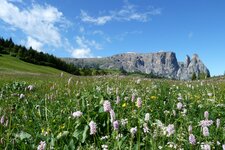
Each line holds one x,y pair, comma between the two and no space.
163,64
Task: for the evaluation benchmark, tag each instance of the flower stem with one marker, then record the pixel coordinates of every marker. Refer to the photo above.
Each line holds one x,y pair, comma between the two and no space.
131,142
139,132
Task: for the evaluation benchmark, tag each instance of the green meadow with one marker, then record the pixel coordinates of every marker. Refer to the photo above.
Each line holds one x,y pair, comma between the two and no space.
41,106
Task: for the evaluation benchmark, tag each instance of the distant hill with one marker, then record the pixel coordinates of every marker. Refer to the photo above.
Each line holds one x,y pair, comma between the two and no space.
13,65
161,64
8,47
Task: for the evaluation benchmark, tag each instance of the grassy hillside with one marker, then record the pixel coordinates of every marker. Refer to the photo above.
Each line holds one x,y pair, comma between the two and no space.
148,113
13,65
13,69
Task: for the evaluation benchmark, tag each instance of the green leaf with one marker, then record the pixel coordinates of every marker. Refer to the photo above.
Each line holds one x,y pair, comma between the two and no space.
76,134
71,144
62,134
52,143
101,109
24,135
85,133
65,147
121,141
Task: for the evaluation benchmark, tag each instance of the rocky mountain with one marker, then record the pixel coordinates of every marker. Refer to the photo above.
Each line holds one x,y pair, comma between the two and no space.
162,64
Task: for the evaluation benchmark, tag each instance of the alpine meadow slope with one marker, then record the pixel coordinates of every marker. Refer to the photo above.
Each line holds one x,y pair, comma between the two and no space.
13,65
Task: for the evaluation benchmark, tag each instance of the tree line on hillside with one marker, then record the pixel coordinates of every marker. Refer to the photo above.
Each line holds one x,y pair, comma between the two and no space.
7,46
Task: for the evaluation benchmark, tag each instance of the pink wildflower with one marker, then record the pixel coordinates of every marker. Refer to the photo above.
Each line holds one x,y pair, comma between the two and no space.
93,128
192,139
205,131
107,106
139,102
116,125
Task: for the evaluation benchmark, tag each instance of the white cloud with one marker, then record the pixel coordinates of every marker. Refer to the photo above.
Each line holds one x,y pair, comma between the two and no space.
84,47
121,36
81,53
98,21
85,43
103,35
128,12
98,32
131,52
36,45
16,1
38,22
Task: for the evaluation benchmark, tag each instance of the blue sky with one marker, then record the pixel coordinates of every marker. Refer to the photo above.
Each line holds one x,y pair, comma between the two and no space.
98,28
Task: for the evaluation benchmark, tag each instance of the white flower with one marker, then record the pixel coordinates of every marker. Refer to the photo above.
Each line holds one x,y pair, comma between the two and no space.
184,112
124,122
160,147
179,106
77,114
147,117
210,94
206,114
217,123
166,112
104,137
2,119
22,96
119,136
145,128
223,146
170,130
159,124
205,147
179,98
133,130
41,146
98,88
30,87
174,112
139,102
172,145
105,147
138,81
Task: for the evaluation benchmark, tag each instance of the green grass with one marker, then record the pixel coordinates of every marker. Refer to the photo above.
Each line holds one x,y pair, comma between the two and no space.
13,69
13,65
45,113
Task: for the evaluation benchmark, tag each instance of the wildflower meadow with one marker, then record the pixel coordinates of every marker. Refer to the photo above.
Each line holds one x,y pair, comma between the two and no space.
111,112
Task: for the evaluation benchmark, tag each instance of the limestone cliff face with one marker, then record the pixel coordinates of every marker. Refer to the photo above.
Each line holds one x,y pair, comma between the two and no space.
191,66
163,64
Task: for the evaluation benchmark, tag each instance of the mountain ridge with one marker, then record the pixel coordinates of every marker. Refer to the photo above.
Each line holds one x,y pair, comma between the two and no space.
163,64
